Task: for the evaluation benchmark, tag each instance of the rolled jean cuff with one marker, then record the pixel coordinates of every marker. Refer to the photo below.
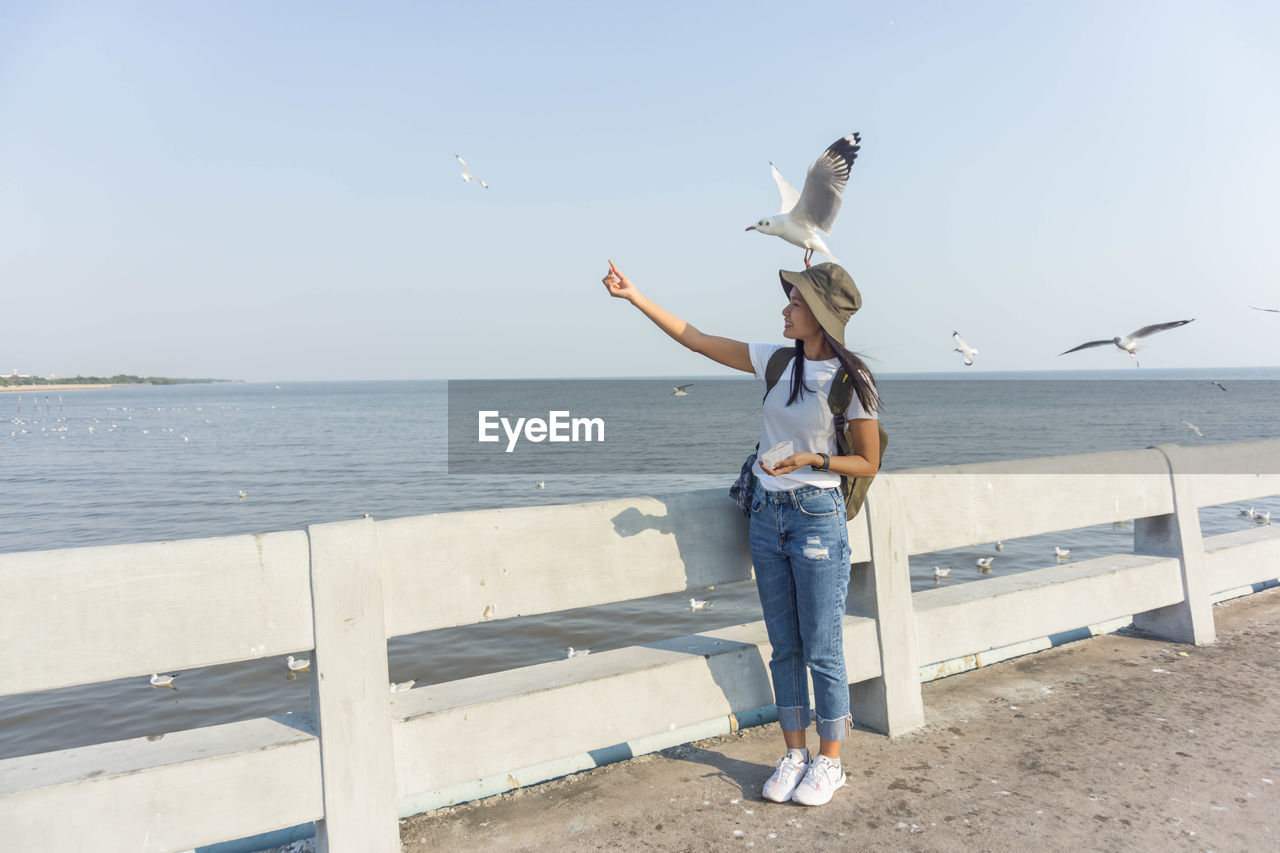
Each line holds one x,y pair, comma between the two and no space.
836,729
793,719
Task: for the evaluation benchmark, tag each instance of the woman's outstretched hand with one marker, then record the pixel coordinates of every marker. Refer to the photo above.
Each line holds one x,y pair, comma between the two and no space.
619,285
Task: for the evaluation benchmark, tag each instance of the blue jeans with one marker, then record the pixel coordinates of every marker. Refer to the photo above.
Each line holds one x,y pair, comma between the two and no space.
800,547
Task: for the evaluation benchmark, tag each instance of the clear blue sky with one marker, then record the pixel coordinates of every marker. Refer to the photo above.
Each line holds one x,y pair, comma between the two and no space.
267,190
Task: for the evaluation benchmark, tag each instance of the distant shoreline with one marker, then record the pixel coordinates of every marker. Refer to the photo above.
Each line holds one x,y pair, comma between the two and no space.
60,387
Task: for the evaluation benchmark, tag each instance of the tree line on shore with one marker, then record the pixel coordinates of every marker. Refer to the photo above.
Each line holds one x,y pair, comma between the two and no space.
118,379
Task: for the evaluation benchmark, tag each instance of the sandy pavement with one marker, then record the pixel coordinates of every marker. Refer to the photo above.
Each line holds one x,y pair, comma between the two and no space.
1113,743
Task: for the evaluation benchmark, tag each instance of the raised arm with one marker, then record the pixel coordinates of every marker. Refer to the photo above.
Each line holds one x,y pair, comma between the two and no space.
726,351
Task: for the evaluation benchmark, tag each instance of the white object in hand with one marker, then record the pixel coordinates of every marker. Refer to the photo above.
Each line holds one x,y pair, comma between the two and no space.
806,215
777,453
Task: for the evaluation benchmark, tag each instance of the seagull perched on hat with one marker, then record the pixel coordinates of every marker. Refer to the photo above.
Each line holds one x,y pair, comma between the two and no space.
806,216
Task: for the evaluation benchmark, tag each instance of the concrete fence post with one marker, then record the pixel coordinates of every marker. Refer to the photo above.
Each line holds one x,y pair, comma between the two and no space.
349,690
891,703
1178,535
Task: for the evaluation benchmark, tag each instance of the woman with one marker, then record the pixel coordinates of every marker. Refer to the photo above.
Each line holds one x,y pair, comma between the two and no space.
799,533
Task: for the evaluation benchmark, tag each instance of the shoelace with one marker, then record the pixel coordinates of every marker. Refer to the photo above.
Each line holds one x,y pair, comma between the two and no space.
823,773
788,767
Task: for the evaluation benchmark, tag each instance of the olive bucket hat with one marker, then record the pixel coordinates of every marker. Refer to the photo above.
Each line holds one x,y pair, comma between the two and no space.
829,292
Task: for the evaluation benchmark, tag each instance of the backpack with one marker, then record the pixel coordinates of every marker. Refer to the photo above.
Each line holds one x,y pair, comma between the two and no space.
854,489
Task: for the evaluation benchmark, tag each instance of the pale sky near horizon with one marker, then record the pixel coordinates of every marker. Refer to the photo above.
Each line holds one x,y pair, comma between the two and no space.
267,191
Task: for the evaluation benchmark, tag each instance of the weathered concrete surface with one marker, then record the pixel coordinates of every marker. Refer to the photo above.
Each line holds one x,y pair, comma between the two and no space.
1112,743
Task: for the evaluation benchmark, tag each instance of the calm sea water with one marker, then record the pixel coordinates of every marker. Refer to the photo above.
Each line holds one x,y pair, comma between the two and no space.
136,464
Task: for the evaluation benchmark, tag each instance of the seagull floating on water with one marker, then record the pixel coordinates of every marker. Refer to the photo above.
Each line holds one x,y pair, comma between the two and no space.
1194,428
163,681
964,349
1262,517
984,562
243,494
999,546
541,484
403,685
940,572
298,665
571,652
698,604
1061,552
1248,513
466,173
679,391
805,216
1129,343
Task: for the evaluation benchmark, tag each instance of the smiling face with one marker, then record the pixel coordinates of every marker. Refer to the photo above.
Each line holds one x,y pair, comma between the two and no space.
798,320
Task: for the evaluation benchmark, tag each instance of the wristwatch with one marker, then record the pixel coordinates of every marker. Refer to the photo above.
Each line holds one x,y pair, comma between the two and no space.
826,463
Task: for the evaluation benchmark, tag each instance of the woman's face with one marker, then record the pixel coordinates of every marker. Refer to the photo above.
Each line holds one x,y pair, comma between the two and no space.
798,320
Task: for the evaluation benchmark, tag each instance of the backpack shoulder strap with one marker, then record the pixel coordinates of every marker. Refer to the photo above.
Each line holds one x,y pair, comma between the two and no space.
777,364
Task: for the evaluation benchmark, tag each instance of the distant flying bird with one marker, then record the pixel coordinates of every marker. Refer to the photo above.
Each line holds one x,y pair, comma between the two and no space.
1219,384
1129,343
1272,310
1194,428
805,214
466,173
679,391
964,349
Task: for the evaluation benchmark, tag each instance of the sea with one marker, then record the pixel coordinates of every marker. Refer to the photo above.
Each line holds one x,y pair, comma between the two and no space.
128,464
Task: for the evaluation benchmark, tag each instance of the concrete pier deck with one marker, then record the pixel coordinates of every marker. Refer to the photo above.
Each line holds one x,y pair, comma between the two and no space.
1119,742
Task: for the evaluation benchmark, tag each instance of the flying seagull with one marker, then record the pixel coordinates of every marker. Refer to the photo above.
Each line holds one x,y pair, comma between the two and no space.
1129,343
1219,384
466,173
805,214
964,349
679,391
1194,428
1272,310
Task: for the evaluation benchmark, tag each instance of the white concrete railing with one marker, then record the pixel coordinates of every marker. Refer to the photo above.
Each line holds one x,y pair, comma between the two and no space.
363,756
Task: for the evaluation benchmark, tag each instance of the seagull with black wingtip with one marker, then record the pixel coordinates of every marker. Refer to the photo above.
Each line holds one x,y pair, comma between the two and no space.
805,216
1129,343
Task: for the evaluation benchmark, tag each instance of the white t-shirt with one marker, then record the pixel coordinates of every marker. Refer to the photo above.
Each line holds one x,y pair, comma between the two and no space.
807,423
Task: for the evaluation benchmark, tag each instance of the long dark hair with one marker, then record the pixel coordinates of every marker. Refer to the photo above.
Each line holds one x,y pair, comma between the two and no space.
863,382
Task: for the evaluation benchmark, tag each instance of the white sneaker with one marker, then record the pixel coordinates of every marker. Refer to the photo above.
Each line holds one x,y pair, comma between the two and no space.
784,780
824,777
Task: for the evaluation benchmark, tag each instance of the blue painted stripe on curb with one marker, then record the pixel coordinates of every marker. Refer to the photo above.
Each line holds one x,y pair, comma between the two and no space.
265,841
